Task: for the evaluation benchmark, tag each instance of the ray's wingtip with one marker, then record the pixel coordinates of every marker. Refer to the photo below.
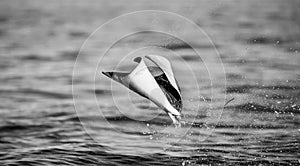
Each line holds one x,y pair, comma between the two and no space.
108,74
137,59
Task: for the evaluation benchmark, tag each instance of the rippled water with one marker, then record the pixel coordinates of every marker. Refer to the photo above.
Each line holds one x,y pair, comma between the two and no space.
258,44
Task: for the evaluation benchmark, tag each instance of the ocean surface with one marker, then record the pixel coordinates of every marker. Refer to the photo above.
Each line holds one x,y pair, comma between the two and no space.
58,109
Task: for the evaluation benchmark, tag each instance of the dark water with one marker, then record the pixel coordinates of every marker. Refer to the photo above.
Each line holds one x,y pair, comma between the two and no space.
258,43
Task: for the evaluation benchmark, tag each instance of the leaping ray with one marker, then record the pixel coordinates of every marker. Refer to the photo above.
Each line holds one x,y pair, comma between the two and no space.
157,84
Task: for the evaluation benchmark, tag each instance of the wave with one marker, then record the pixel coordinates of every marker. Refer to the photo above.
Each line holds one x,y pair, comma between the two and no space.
14,127
41,93
34,57
254,107
183,45
247,88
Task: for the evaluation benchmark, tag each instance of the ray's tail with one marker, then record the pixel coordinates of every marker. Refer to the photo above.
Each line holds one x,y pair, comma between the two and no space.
191,123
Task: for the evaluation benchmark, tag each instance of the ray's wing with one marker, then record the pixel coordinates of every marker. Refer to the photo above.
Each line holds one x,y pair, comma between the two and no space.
144,83
171,93
164,64
164,76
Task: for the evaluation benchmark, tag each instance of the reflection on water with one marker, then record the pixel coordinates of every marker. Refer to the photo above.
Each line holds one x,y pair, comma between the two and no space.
258,44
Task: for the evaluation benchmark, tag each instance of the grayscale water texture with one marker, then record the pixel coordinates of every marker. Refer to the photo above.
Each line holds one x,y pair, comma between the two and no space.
258,42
